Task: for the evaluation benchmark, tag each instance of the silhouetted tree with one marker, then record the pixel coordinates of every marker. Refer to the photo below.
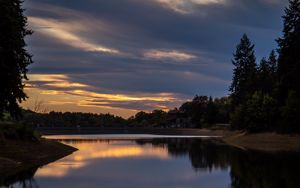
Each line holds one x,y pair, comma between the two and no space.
210,115
196,109
244,82
267,74
14,58
223,106
244,74
289,56
156,118
289,68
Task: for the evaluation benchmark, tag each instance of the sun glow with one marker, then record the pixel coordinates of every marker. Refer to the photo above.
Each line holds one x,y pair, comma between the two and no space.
59,93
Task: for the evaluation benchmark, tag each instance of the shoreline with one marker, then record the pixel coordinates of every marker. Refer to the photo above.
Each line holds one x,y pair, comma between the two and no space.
154,131
266,141
17,156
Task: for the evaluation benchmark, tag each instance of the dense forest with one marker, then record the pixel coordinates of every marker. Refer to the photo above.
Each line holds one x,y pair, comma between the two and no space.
264,95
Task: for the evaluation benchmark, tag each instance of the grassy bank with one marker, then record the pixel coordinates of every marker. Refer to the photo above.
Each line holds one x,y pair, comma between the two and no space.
271,142
22,149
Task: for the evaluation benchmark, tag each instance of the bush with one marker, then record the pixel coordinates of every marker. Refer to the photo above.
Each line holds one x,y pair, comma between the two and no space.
10,130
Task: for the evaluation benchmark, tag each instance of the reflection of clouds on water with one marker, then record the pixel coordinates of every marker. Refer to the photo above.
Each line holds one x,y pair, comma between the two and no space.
58,169
162,162
88,151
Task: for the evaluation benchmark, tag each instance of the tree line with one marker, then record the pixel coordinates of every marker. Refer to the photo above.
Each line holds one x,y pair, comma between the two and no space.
201,112
70,119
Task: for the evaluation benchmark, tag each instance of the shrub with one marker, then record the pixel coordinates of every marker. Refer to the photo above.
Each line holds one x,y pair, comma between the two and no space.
16,131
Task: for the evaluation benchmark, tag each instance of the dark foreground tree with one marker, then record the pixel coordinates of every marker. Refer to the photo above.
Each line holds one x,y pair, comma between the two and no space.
289,68
289,56
14,58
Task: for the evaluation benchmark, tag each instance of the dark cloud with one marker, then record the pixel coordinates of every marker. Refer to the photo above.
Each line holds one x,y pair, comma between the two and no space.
74,38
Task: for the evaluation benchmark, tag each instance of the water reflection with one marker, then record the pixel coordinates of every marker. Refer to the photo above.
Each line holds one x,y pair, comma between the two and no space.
163,162
90,150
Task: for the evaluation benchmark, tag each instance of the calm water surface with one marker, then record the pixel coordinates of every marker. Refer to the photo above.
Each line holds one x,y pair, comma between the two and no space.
136,161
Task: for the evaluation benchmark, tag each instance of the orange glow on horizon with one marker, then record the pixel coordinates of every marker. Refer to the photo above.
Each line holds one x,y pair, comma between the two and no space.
59,93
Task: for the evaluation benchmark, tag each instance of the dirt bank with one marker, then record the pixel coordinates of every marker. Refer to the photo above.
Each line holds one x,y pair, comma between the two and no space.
264,141
17,156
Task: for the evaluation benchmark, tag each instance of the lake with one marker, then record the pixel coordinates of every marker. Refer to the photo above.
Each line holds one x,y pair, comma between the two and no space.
136,161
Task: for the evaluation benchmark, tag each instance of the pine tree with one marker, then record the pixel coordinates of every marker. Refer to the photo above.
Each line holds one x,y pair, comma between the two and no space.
14,58
273,63
245,72
267,74
289,52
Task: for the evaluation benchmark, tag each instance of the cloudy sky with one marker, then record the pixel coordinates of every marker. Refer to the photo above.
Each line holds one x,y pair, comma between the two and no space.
123,56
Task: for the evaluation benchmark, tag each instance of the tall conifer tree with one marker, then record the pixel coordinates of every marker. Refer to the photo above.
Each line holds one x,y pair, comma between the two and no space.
267,74
289,68
14,58
289,52
244,74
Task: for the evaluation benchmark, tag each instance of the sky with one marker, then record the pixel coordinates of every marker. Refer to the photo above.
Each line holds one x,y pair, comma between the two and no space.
125,56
